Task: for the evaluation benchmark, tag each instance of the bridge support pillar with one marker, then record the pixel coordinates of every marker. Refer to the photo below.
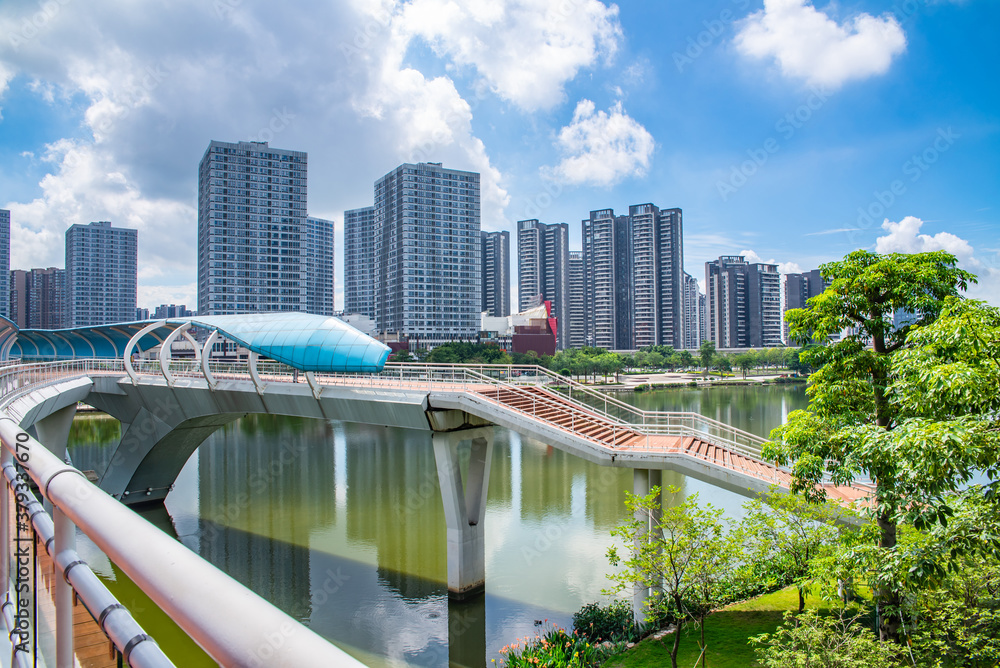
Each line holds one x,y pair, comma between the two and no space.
465,507
53,430
643,482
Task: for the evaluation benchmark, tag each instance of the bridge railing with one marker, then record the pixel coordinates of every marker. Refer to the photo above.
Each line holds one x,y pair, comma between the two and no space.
671,423
435,376
15,381
237,627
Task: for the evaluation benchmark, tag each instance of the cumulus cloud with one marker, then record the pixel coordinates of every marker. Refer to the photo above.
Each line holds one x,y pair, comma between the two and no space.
905,237
87,185
602,148
434,120
157,82
526,50
807,44
783,267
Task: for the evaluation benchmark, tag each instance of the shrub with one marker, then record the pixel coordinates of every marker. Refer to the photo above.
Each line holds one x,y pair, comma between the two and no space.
612,622
809,639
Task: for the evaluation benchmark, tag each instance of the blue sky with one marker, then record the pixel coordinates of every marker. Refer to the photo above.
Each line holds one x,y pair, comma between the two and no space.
793,131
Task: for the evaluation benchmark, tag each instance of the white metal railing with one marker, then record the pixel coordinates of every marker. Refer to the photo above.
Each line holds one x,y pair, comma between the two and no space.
580,402
233,625
416,376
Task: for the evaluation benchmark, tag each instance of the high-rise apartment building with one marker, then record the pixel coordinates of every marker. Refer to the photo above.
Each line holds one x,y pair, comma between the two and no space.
319,259
577,301
20,297
252,229
670,310
702,319
599,261
428,265
635,277
657,292
38,298
359,261
645,284
691,313
5,263
171,311
101,273
496,273
743,303
798,289
764,305
543,270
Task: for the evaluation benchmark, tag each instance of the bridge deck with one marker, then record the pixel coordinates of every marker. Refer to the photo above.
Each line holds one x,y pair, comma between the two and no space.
556,410
91,647
571,416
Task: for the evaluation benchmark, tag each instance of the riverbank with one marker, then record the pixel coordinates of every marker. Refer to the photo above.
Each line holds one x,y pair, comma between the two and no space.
678,381
727,634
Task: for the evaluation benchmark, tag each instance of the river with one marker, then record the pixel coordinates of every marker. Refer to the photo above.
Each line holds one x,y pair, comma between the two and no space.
341,525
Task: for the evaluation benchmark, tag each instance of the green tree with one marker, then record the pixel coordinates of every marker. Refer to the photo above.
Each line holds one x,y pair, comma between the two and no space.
707,353
789,527
403,355
845,432
959,618
773,357
722,363
685,359
745,362
654,360
679,551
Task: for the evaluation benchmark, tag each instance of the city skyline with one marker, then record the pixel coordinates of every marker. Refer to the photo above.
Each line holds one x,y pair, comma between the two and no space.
775,149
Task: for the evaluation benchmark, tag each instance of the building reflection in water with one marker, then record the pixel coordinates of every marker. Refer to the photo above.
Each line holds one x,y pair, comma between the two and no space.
342,526
264,487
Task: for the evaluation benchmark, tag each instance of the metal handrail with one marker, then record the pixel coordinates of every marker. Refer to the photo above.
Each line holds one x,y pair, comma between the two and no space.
238,628
619,414
667,423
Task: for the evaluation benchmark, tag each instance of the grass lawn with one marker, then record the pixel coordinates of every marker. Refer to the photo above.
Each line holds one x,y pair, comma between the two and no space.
726,633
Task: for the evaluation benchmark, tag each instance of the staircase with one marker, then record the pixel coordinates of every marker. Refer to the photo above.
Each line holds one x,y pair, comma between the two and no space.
556,410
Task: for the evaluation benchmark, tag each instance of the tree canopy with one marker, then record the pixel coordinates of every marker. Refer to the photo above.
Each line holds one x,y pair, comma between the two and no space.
862,423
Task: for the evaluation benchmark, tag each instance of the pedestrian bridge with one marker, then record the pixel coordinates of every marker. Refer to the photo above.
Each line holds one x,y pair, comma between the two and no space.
169,406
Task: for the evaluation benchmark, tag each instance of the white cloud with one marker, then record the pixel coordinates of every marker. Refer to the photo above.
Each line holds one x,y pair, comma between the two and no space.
6,74
807,44
602,148
526,50
87,185
158,82
905,237
783,267
433,121
151,296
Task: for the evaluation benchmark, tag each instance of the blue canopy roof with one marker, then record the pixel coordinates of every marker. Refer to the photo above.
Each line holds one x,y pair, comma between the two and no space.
301,340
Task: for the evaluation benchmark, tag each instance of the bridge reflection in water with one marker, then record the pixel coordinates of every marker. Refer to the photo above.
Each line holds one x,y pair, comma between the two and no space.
342,526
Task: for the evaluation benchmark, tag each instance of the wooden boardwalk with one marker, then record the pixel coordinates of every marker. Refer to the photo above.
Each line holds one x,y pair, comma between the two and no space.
92,648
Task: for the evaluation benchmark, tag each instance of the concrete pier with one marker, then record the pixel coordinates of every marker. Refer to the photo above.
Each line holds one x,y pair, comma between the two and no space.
643,481
465,507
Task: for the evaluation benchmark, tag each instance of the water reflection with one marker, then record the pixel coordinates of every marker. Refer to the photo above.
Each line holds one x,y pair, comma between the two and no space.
341,525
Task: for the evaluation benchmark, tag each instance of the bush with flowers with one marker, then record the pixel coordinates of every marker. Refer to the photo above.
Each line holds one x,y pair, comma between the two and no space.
556,647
